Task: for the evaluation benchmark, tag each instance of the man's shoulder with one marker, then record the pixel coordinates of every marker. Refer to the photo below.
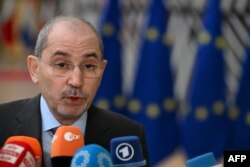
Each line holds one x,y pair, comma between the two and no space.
18,116
15,106
12,105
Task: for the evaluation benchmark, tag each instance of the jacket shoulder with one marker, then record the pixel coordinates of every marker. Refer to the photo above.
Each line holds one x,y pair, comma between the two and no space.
12,107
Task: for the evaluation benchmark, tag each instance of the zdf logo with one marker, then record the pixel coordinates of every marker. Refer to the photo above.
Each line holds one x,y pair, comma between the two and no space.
124,152
69,136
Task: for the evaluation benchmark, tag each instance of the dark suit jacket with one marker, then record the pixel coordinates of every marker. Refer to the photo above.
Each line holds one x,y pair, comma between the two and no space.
23,117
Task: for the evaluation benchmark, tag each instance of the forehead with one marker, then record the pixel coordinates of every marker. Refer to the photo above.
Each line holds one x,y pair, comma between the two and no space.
73,36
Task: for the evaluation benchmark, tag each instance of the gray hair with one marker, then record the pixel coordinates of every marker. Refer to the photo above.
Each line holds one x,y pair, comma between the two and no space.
42,38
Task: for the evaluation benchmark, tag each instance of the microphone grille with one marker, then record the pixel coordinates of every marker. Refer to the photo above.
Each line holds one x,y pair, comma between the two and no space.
91,155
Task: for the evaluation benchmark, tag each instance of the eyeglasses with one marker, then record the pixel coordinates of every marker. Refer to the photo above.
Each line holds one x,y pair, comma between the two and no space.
64,69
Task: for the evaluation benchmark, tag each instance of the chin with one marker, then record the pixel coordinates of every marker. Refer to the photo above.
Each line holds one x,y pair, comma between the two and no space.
71,113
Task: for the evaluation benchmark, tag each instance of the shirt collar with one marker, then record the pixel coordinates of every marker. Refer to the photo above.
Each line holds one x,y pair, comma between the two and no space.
49,121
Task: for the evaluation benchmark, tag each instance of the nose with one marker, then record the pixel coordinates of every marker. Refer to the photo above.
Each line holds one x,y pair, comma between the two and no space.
76,78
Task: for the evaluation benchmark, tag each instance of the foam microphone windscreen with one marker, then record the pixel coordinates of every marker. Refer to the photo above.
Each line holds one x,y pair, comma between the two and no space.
32,142
17,154
204,160
127,151
66,141
91,155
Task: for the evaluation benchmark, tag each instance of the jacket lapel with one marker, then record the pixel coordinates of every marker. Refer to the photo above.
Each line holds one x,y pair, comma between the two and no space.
96,128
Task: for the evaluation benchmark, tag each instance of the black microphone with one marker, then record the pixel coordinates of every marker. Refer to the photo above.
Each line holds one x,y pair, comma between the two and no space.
126,151
66,141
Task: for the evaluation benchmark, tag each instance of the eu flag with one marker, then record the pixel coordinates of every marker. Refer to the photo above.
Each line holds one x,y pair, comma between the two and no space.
204,128
152,102
109,94
240,112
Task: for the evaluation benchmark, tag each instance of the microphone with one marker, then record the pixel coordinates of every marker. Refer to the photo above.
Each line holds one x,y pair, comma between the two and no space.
91,155
21,151
66,141
204,160
126,151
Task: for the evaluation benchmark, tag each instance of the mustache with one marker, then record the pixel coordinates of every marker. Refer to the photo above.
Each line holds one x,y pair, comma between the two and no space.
75,92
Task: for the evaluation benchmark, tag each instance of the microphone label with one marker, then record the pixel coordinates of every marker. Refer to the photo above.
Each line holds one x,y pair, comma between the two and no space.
28,160
10,153
236,158
68,136
124,152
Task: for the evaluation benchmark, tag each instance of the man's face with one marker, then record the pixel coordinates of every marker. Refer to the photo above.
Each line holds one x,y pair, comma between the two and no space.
70,93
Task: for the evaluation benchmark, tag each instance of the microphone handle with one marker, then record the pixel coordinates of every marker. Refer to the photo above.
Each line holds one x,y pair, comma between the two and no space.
64,161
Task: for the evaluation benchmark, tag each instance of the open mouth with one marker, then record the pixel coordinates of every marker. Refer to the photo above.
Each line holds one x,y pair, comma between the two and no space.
74,100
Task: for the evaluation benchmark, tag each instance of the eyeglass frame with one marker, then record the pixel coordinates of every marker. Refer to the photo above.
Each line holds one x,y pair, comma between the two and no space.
71,67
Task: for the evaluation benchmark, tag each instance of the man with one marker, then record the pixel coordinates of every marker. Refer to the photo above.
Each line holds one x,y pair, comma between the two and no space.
67,67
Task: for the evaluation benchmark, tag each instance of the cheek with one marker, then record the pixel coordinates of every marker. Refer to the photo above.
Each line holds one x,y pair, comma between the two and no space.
91,86
50,86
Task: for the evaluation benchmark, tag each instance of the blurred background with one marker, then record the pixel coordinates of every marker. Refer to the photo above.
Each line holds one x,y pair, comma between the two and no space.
179,67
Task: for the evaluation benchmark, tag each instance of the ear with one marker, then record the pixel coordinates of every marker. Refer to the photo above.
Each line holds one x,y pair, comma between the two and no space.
33,67
104,64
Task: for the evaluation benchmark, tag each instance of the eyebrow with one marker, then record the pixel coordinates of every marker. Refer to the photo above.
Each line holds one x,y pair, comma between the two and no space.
90,55
60,53
66,54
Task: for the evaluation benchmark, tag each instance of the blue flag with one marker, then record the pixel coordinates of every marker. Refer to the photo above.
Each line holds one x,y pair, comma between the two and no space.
109,95
240,112
204,128
152,102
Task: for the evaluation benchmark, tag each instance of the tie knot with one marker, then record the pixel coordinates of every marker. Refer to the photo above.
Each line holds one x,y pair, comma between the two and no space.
53,130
